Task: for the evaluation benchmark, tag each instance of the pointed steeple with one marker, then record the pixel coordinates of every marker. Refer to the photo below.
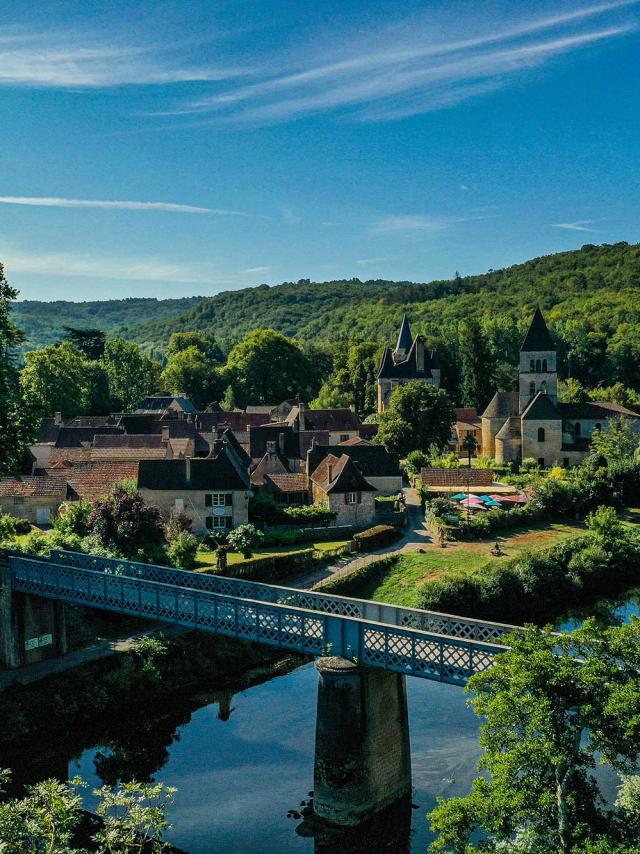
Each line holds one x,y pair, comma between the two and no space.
538,338
404,338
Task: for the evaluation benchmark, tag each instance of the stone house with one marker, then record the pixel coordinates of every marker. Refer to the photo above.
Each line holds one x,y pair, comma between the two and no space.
213,492
34,498
338,484
409,361
380,468
532,422
340,424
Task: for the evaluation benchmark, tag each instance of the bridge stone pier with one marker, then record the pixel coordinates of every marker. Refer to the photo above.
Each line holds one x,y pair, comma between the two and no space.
32,628
362,757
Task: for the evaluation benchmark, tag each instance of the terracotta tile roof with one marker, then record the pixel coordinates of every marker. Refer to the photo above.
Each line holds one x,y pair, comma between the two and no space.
456,477
372,460
33,485
70,455
356,440
93,480
297,482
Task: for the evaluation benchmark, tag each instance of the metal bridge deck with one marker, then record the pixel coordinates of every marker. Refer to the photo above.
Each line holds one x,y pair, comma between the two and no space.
418,643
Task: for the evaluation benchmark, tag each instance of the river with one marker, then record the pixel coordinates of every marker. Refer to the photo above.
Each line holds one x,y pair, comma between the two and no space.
242,762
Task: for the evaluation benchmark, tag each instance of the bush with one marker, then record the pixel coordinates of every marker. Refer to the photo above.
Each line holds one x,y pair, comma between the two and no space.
269,568
7,526
289,537
244,539
377,537
179,523
415,461
73,518
182,550
308,513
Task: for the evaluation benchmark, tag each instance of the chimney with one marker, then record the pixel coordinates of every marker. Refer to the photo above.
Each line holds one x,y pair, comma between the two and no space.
301,411
281,443
330,472
187,469
165,432
420,354
57,417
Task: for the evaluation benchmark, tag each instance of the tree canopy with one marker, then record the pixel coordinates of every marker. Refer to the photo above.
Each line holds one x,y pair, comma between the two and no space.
418,417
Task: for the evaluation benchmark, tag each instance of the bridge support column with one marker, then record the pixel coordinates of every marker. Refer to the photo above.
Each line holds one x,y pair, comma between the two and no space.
362,759
32,628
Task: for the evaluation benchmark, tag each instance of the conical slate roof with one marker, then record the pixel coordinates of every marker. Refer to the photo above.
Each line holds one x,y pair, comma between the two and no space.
404,338
538,337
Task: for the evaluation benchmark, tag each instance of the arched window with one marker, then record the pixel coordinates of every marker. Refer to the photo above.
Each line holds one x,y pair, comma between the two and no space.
543,386
576,431
537,366
532,365
540,434
532,389
544,366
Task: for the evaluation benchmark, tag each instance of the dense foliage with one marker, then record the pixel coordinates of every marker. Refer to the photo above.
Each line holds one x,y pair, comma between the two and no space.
418,417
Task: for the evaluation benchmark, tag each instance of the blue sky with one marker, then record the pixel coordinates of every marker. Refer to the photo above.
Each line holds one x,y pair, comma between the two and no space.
175,148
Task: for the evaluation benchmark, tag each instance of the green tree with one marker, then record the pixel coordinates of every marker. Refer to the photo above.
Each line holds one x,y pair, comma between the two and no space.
206,344
124,523
268,367
192,372
90,342
617,440
135,818
553,707
57,379
18,417
572,391
228,401
132,375
477,366
418,417
470,445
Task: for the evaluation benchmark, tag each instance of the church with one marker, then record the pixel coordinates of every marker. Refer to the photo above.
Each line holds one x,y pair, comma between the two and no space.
532,422
409,361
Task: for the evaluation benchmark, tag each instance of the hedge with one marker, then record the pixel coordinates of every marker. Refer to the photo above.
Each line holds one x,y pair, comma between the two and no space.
270,567
537,586
352,583
377,537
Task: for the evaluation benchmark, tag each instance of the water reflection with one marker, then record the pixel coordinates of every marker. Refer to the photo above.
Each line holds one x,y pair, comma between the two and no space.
608,612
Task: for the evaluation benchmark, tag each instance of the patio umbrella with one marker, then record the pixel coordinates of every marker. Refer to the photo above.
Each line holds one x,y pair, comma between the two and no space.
458,496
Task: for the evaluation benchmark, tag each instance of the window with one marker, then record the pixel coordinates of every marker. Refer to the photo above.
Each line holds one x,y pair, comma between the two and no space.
544,366
541,462
566,462
532,389
532,366
543,386
217,499
598,426
18,499
541,434
538,366
217,523
178,504
344,437
351,497
576,430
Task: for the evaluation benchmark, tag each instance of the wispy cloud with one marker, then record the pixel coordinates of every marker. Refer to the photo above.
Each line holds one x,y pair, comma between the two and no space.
410,72
417,223
579,225
55,202
68,58
251,270
364,261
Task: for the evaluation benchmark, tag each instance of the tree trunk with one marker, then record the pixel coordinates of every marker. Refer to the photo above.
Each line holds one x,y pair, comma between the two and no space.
563,776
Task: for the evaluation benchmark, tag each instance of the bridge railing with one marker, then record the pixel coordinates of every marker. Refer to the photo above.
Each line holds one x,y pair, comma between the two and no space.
395,615
405,650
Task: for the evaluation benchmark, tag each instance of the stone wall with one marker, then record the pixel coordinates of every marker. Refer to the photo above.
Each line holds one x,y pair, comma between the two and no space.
544,380
550,450
195,507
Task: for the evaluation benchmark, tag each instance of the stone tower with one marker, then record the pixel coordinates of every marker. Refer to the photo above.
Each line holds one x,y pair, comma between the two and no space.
538,363
409,361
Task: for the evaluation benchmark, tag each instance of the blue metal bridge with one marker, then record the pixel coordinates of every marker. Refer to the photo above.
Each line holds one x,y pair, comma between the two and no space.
418,643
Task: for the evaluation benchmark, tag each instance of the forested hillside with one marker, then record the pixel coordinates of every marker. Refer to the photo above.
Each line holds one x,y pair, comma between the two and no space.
596,285
43,322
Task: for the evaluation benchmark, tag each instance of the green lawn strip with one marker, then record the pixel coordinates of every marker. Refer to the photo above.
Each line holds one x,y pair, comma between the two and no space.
401,584
208,558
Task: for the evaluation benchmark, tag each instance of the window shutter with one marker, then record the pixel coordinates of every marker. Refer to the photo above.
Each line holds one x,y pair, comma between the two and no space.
228,520
228,499
359,498
346,498
207,501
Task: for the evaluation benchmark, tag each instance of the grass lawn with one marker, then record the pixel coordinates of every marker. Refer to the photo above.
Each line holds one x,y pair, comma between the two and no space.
209,557
401,585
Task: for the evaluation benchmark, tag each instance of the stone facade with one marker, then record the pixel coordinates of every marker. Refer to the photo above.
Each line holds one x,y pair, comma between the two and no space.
362,511
199,507
407,363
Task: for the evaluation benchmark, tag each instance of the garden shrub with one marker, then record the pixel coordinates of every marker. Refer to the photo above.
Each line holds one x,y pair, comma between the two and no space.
377,537
269,568
354,582
182,550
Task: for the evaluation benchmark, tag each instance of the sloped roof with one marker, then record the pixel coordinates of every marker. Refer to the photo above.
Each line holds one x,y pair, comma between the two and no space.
283,435
160,402
206,474
33,485
294,482
502,405
541,408
538,337
405,368
404,338
510,430
129,440
355,440
345,476
75,437
93,480
333,420
269,464
594,409
372,460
